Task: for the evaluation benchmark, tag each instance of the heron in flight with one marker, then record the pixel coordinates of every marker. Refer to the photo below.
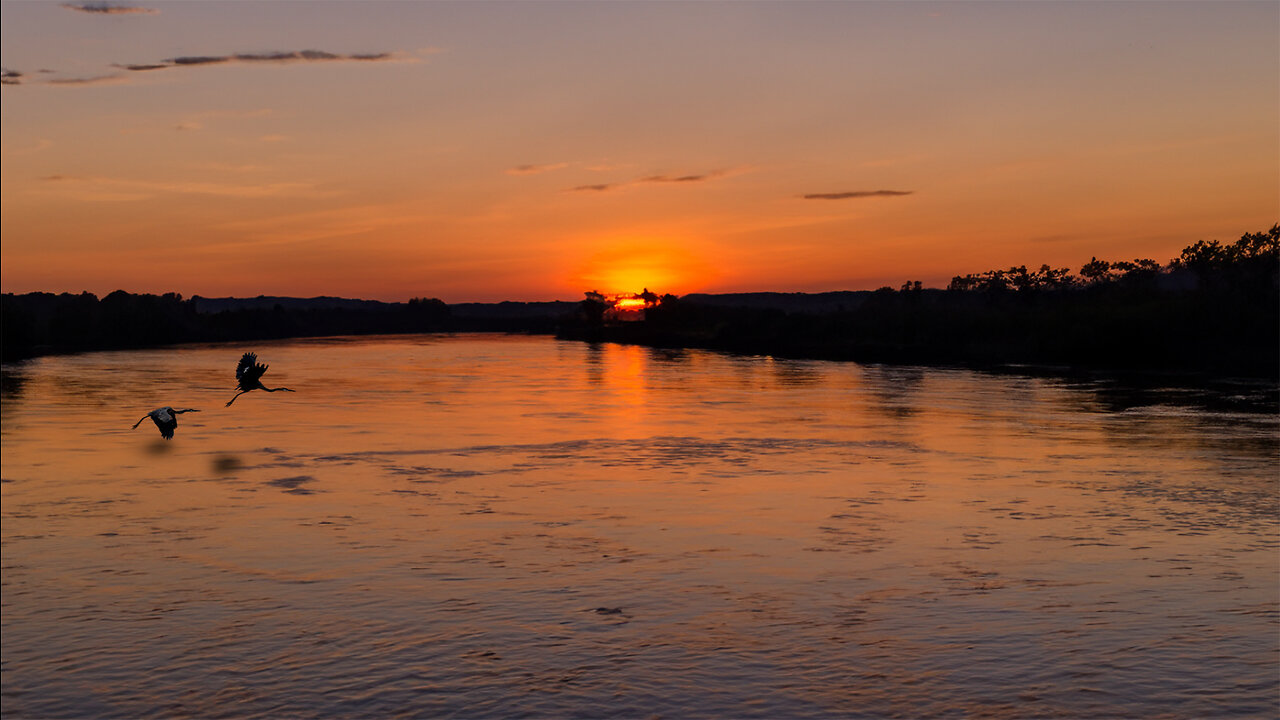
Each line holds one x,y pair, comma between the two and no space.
249,375
166,418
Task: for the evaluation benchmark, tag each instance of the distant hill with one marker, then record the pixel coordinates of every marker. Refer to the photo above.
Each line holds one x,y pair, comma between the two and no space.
508,310
268,302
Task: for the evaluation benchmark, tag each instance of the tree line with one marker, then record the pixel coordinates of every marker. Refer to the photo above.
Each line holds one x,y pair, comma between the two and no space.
39,323
1215,308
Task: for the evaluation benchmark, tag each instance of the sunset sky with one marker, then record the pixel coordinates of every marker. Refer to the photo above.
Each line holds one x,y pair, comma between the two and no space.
530,151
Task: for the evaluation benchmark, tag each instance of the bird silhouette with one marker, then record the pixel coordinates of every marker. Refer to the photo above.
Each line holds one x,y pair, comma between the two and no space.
166,418
249,375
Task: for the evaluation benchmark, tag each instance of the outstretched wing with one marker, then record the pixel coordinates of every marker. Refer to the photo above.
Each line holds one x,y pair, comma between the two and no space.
246,361
249,370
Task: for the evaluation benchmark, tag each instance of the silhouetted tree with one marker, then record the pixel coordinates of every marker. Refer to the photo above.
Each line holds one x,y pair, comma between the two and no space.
1096,271
592,308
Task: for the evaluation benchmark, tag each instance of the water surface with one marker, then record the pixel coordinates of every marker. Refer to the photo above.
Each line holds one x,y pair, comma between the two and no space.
486,526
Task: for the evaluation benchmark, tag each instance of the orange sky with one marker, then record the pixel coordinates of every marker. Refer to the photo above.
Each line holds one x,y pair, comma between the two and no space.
530,151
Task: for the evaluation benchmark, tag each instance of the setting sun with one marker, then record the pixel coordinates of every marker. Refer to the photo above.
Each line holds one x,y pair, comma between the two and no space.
630,303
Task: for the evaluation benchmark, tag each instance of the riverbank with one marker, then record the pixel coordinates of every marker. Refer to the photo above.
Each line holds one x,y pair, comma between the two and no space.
1111,329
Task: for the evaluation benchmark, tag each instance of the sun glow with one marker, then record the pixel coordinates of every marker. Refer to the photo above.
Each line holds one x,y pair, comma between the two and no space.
630,303
630,264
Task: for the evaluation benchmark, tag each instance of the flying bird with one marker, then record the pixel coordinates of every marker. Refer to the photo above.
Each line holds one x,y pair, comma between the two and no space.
166,418
249,375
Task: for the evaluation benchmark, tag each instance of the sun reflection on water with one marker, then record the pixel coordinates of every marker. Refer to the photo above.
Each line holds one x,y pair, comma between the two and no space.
499,525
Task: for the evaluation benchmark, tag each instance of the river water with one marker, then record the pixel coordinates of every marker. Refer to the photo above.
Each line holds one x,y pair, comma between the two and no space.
492,526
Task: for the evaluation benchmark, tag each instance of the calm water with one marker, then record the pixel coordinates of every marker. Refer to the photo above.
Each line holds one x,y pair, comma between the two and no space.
484,526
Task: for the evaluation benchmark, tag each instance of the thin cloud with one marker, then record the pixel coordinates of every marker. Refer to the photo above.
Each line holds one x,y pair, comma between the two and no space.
857,194
143,68
653,179
96,80
308,56
536,169
677,179
198,60
274,56
109,9
10,77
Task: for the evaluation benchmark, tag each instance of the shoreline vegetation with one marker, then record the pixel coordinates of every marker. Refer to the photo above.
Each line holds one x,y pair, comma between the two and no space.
1213,310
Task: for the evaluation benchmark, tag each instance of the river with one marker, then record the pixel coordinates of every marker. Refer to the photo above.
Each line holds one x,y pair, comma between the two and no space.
492,526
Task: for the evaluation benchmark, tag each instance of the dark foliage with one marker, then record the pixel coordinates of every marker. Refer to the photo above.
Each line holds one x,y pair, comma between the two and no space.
39,323
1214,309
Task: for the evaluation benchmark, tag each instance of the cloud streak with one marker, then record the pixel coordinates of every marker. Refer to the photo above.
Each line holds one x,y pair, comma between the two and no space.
536,169
96,80
275,56
13,77
857,194
109,9
651,180
678,178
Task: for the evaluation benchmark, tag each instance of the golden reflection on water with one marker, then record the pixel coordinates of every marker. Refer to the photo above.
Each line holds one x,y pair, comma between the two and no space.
490,526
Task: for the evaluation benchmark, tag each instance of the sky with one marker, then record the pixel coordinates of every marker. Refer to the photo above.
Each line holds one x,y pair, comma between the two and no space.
485,151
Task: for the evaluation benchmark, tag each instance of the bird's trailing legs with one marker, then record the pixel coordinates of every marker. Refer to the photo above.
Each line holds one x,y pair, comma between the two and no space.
257,388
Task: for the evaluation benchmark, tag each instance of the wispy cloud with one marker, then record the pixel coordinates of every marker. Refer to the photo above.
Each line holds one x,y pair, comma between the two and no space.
679,178
856,194
274,56
13,77
536,169
539,168
95,80
198,60
109,9
651,180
